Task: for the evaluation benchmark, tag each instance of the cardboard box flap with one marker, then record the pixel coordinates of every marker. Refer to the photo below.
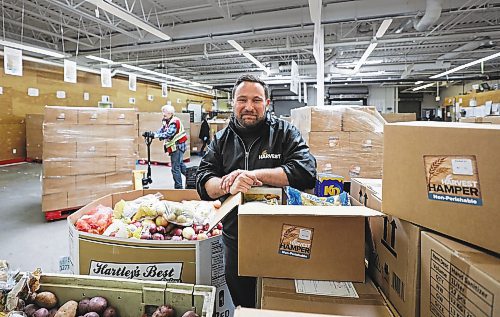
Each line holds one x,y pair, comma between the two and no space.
374,185
334,211
249,312
225,209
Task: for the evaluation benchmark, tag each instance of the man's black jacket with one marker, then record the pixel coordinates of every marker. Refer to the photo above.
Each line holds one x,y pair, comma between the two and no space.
279,144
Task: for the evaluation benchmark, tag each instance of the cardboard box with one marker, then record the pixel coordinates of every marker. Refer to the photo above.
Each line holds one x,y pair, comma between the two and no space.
302,241
119,181
93,116
249,312
91,148
121,147
395,263
58,184
281,294
200,262
399,117
122,116
366,142
362,119
317,119
458,280
59,149
55,201
124,164
323,143
91,181
61,115
447,183
365,165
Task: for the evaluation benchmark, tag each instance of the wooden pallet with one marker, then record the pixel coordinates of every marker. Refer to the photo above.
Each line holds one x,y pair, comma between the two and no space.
59,214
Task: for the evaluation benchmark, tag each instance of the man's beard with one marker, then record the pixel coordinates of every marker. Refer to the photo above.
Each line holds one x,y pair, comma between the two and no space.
251,124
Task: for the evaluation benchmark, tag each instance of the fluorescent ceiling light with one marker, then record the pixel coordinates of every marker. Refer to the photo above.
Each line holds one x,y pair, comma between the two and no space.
100,59
352,64
363,58
236,45
121,13
419,82
383,28
423,87
152,72
33,49
484,59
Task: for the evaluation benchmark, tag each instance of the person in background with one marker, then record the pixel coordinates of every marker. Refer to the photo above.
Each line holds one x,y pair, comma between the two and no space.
255,149
174,137
204,133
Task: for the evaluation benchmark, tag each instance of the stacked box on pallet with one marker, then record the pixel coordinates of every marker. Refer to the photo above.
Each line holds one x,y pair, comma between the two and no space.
87,153
346,140
34,136
152,121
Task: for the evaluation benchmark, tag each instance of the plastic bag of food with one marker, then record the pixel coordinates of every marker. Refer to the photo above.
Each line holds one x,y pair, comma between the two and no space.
204,211
96,221
179,213
296,197
118,229
148,206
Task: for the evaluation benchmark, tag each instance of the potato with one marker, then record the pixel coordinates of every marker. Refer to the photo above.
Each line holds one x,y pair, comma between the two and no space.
30,309
42,312
83,306
67,310
190,313
31,298
91,314
110,312
164,311
46,300
98,304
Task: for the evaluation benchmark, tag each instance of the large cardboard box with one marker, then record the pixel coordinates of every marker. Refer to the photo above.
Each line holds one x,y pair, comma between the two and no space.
362,119
200,262
444,176
309,242
93,116
317,119
458,280
58,184
67,115
281,294
399,117
127,116
53,150
395,262
55,201
34,136
250,312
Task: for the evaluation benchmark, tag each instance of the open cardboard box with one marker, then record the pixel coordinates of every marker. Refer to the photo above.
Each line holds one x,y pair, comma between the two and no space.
249,312
197,262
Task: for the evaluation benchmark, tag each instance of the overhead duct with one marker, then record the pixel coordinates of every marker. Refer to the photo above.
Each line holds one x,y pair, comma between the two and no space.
485,42
431,15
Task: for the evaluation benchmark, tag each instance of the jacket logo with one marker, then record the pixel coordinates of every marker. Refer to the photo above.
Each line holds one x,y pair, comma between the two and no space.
266,155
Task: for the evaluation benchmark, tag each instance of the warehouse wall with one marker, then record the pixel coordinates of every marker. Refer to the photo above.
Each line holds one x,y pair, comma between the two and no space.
15,102
458,89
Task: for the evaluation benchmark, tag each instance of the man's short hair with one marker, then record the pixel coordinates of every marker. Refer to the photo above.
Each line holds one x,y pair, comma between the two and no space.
252,79
168,109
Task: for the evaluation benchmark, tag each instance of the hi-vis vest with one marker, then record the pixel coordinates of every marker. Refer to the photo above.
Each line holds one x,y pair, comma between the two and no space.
181,137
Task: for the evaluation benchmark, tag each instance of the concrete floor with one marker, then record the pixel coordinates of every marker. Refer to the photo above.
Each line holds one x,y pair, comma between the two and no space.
27,240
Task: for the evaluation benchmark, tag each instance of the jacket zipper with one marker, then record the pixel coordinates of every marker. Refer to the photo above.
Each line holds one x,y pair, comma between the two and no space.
247,153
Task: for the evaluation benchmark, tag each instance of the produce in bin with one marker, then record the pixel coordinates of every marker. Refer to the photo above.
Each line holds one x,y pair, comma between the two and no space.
24,301
151,218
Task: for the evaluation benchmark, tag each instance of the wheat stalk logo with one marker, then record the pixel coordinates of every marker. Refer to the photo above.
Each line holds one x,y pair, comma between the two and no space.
435,168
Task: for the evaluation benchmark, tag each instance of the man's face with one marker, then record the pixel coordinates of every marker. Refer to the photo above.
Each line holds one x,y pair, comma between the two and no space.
250,103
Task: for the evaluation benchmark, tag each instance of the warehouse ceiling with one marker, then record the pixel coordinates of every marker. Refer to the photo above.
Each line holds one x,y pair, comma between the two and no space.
188,38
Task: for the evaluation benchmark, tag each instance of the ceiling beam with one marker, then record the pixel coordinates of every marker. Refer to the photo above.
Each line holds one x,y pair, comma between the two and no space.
75,10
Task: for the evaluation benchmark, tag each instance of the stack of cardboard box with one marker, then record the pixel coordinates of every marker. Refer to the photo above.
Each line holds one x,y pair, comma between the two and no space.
487,119
297,251
87,153
399,117
442,177
346,140
152,121
34,136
